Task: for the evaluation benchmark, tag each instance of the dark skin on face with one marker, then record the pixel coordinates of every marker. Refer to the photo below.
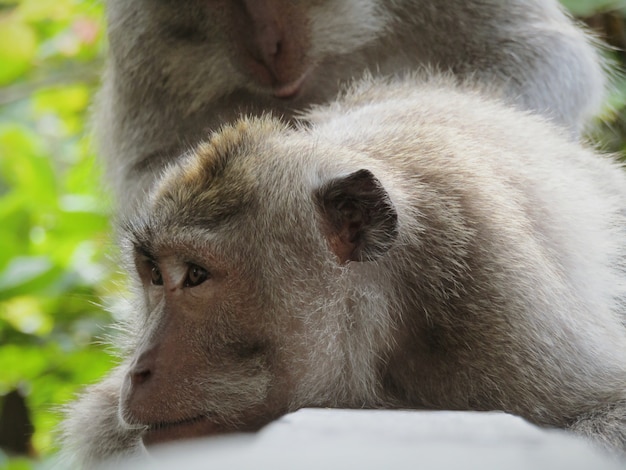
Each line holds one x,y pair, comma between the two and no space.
200,334
145,365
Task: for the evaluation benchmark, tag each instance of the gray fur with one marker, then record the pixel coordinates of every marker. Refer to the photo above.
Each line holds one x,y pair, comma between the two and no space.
175,69
493,275
93,431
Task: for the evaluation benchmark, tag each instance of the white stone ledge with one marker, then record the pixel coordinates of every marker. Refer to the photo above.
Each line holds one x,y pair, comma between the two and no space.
386,439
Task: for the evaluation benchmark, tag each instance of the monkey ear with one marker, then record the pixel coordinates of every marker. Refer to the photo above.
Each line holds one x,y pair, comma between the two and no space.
360,221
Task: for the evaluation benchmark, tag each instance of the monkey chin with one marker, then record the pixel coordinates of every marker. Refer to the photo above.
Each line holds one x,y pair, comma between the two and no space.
165,432
291,90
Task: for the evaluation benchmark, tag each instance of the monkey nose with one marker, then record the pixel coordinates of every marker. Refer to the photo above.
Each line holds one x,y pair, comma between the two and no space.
143,368
139,376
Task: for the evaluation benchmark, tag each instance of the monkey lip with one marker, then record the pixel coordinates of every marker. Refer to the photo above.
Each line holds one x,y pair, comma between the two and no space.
171,431
291,89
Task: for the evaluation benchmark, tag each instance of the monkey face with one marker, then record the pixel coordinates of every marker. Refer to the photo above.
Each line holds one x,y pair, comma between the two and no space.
218,349
203,364
281,49
241,280
279,45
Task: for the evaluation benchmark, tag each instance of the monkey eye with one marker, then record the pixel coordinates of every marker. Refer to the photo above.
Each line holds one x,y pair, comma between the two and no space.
155,275
196,275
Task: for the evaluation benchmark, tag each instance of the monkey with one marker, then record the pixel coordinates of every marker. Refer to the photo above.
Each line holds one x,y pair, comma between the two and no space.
416,243
178,70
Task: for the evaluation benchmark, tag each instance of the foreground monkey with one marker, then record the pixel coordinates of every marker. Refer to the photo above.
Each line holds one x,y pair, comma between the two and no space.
178,69
417,246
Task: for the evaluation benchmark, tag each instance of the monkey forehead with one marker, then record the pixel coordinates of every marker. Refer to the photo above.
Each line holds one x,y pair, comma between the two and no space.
250,160
248,173
233,151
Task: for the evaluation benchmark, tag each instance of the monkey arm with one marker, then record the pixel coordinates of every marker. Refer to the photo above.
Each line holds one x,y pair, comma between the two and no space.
93,430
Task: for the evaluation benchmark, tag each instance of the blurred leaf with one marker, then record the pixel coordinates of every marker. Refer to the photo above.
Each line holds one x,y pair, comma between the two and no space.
19,463
26,315
24,271
51,10
20,363
24,166
62,100
588,7
18,46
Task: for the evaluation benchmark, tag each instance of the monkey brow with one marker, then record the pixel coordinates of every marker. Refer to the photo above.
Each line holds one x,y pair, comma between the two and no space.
142,246
137,233
144,250
140,235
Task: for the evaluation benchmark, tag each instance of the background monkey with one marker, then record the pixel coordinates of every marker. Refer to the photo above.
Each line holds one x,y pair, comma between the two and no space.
179,69
416,245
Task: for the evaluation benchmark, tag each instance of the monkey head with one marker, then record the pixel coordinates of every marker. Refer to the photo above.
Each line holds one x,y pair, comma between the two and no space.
241,259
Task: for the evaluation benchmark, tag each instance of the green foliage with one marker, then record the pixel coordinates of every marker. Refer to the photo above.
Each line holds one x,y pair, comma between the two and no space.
54,233
584,8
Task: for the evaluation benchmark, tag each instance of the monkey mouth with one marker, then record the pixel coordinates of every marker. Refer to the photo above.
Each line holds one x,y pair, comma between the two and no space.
292,89
184,429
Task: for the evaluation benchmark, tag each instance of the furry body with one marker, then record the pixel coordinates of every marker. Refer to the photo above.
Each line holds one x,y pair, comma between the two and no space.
416,245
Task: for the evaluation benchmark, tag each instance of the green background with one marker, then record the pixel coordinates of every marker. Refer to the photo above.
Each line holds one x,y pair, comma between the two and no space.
58,278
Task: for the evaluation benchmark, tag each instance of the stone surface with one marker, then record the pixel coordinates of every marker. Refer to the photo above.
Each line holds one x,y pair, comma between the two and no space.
386,439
